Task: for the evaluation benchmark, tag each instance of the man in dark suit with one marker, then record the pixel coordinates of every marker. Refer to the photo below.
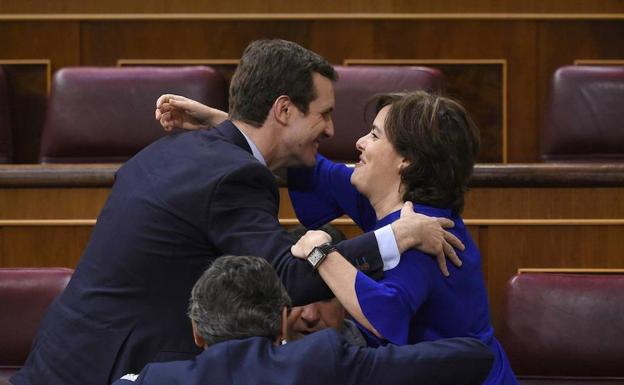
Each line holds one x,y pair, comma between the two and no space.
239,308
187,199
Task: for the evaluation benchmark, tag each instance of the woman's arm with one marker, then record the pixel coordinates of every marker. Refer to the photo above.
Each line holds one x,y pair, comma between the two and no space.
325,192
337,273
385,307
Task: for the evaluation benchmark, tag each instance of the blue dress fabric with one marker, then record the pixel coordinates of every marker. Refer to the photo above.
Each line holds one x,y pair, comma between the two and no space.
413,302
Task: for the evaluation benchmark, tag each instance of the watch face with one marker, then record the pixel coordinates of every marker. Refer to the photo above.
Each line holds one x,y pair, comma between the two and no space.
315,256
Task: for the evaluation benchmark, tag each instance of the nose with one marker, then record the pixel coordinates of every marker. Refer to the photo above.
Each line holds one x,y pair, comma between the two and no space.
361,143
329,130
310,314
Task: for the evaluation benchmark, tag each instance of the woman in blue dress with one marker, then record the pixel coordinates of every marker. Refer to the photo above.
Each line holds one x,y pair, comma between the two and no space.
422,149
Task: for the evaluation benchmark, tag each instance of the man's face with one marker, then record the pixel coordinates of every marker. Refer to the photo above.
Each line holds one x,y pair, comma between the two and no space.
316,316
304,133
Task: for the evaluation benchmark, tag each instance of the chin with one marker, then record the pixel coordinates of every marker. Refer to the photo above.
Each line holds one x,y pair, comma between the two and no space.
309,161
358,184
354,181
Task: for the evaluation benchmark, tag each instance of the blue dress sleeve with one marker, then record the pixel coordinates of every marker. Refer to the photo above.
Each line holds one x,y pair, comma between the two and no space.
325,192
390,304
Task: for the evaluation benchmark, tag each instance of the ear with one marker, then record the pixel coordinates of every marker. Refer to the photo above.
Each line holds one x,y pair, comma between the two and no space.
199,340
282,109
284,330
404,163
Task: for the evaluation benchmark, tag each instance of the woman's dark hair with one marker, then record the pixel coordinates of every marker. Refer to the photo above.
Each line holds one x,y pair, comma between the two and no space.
439,139
269,69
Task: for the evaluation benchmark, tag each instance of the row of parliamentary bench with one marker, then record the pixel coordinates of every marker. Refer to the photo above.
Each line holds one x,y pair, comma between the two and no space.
100,115
558,328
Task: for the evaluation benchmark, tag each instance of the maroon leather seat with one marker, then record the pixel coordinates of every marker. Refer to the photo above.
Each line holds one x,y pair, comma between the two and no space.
565,328
583,121
355,86
107,114
25,294
5,120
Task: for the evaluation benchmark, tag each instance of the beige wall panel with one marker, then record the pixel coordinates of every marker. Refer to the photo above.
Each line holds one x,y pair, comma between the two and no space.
52,203
103,43
311,6
544,203
57,41
481,203
42,246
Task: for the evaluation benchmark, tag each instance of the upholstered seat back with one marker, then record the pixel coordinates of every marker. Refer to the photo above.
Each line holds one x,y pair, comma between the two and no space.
565,325
25,294
585,115
355,86
5,120
107,114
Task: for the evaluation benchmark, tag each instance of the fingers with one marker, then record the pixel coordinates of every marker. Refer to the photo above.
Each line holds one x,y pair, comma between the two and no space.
454,241
167,98
183,104
451,254
162,99
297,251
169,121
445,223
442,264
408,208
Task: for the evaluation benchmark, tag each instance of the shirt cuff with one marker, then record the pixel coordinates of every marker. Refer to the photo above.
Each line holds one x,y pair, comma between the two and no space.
388,248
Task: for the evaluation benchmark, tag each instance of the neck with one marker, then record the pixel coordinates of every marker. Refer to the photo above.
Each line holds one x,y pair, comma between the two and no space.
265,139
385,204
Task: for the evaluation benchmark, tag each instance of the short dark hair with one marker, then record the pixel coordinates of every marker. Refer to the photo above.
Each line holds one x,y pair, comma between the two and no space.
439,139
238,297
269,69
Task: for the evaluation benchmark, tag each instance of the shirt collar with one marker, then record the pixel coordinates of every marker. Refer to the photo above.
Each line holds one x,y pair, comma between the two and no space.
254,150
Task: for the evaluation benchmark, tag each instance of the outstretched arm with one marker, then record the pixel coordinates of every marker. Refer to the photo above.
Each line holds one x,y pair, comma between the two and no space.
447,361
175,111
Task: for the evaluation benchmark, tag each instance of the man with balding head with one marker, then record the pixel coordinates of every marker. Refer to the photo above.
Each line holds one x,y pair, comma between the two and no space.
239,311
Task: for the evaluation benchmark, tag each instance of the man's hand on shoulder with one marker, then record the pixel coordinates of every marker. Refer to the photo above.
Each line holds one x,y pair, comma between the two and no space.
427,234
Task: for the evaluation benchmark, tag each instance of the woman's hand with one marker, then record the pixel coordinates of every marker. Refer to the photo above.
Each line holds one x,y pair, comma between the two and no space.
308,241
175,111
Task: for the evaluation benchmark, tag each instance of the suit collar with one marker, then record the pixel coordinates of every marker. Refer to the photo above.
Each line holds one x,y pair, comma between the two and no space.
233,135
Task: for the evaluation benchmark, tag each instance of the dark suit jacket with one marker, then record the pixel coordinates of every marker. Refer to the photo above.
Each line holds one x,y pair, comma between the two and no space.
176,206
324,358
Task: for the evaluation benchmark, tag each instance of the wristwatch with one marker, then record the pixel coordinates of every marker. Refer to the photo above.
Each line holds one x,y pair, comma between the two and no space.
319,253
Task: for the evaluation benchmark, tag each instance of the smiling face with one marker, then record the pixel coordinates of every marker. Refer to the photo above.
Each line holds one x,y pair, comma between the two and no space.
316,316
376,174
305,131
